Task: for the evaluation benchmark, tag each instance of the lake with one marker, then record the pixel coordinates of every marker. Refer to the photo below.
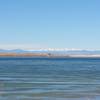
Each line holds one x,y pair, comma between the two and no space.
49,78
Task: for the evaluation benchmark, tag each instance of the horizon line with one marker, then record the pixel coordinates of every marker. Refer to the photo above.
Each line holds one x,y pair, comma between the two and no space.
50,49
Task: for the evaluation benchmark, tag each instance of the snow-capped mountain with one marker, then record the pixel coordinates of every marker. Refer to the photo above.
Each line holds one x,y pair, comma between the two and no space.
56,51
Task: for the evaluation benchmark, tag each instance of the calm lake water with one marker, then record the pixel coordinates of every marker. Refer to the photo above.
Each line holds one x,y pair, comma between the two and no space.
49,79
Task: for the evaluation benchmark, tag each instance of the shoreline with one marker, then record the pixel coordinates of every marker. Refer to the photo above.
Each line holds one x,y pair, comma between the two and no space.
48,55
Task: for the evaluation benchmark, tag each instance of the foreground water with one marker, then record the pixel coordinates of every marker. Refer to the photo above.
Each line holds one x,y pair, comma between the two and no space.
49,79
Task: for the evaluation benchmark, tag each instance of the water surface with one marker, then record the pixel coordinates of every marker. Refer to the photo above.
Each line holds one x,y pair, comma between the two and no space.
49,78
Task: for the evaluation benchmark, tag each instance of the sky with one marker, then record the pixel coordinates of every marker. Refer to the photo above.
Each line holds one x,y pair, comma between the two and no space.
50,24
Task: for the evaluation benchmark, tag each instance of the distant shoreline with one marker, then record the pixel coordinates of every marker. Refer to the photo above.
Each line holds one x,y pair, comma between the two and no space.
49,55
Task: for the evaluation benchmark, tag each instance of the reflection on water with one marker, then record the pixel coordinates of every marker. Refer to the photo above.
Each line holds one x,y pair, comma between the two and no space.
49,79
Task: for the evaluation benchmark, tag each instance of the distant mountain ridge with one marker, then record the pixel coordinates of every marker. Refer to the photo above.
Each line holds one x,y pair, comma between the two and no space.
51,51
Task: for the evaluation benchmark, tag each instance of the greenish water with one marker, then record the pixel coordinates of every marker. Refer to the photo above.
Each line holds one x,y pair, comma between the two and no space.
49,79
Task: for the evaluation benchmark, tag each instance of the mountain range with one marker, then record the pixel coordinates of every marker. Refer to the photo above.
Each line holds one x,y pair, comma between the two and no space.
51,51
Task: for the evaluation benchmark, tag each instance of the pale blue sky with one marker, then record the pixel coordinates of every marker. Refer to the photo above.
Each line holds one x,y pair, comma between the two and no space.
50,23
